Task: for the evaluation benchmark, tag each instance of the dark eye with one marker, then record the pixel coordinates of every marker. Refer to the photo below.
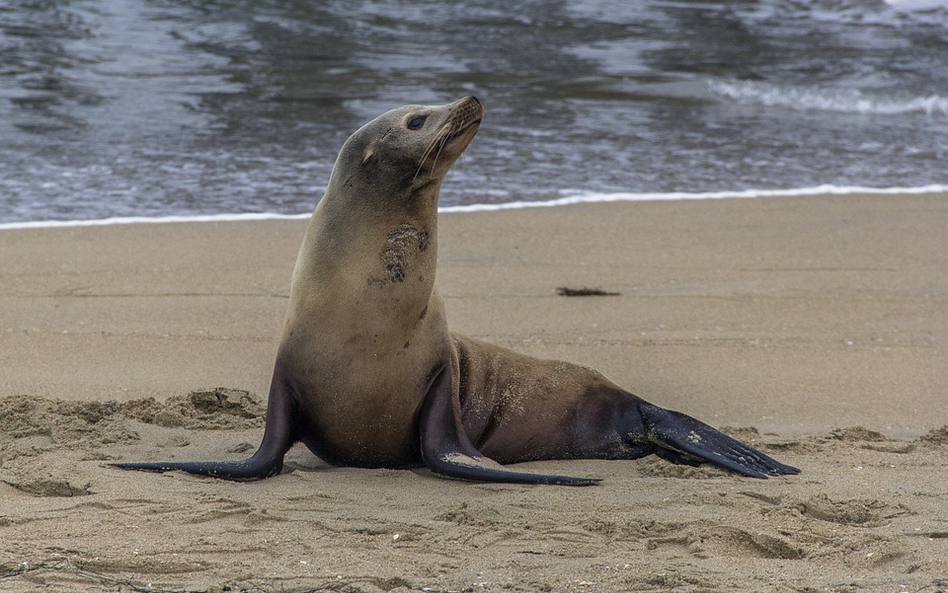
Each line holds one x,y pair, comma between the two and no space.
417,122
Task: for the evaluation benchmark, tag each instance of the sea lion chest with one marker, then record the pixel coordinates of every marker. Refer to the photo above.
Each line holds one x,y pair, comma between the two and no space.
364,331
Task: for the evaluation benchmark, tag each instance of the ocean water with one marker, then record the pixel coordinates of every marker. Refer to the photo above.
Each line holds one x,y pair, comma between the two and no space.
171,109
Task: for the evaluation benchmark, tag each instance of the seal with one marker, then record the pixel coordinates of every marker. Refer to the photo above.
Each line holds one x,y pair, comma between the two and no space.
367,373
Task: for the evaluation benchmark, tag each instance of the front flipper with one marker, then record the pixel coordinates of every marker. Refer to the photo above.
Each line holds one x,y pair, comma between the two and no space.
447,450
683,439
278,436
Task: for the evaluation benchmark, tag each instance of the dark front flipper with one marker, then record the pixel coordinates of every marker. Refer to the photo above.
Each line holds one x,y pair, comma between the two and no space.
683,439
278,436
447,450
254,468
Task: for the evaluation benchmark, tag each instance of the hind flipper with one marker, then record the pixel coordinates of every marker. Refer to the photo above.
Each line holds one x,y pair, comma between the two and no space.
684,439
447,450
278,436
678,458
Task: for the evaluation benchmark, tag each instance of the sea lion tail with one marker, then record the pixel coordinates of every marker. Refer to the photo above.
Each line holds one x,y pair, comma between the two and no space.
278,436
685,440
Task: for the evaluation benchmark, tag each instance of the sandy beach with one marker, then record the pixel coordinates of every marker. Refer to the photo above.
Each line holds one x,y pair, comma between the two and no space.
815,328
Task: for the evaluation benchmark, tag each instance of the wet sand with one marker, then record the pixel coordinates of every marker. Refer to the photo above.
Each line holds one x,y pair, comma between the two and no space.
813,327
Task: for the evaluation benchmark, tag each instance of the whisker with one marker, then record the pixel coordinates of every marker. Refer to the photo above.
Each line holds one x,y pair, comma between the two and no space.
440,140
441,145
424,157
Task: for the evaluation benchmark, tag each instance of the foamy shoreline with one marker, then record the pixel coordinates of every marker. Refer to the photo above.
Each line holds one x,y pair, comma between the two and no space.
571,198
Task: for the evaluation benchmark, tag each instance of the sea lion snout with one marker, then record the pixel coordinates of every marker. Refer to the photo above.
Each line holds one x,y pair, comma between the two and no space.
468,112
468,109
470,105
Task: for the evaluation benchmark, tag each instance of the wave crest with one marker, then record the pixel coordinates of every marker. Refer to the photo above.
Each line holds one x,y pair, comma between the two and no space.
826,99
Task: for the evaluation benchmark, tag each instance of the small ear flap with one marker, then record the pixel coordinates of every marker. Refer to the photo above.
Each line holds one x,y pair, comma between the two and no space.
369,153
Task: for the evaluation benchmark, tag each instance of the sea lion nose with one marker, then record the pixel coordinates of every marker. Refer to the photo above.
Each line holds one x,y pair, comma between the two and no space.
471,106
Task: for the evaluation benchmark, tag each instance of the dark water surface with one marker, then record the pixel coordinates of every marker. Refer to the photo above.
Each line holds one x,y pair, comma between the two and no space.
189,107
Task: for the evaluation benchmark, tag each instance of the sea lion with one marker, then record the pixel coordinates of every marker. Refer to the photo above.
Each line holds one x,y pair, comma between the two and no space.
367,373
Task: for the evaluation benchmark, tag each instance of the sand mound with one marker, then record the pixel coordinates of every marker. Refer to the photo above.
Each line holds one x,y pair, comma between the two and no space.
69,423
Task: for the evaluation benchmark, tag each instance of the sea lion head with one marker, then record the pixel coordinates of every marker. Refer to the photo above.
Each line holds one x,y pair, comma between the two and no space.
406,152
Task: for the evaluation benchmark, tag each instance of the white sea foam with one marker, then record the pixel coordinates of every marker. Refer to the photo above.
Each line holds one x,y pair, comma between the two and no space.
569,198
917,5
592,197
245,216
827,99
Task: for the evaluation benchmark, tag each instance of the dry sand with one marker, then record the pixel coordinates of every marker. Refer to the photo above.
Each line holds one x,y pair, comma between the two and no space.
815,327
